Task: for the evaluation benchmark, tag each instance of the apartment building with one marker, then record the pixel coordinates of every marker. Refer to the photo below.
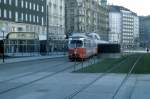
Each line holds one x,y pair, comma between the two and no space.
56,18
124,26
86,16
23,16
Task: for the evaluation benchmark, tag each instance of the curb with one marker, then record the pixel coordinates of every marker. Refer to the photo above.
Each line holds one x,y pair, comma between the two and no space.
28,60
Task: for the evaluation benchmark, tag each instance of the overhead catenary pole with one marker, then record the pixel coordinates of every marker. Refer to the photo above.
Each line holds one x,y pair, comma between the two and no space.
3,48
47,28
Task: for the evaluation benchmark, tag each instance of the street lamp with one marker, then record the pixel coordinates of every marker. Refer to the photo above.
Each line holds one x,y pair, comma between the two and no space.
47,26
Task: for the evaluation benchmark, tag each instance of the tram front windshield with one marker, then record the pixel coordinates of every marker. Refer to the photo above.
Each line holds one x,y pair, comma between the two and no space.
75,43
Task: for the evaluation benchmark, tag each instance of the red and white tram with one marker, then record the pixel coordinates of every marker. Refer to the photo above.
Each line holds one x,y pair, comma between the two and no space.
82,46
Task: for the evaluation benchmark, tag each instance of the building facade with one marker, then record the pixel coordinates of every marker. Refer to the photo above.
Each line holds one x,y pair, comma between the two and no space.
103,3
124,26
115,27
127,29
22,25
23,16
86,16
144,31
56,18
136,31
103,22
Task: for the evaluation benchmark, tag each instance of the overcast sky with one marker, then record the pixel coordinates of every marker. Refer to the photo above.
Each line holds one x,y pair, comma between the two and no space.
141,7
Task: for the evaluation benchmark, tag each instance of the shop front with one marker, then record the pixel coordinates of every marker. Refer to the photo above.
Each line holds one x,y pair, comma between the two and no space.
17,43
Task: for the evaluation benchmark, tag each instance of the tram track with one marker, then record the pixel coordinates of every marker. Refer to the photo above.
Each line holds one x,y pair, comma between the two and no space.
53,74
70,66
77,91
18,69
126,78
32,73
3,91
133,88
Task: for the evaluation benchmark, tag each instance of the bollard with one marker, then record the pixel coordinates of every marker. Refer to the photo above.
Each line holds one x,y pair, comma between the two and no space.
75,65
82,64
75,62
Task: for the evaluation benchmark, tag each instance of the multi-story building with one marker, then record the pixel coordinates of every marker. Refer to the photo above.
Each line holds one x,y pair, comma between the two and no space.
144,31
86,16
136,31
103,22
23,23
56,17
127,29
23,16
124,26
115,29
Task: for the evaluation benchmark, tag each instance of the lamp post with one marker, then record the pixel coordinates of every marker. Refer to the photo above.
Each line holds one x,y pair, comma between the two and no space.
47,28
3,31
3,48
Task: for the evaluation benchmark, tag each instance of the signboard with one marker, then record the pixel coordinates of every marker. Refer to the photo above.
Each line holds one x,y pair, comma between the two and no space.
23,35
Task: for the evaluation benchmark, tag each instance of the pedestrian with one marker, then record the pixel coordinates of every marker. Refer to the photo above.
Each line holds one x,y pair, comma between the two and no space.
147,50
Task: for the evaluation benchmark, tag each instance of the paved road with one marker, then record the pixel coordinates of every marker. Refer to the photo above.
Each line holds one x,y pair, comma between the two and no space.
19,68
26,82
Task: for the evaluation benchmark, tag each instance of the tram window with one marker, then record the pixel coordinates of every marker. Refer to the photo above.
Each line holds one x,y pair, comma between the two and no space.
76,43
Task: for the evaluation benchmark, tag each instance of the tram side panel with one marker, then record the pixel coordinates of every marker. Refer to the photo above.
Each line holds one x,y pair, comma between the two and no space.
109,48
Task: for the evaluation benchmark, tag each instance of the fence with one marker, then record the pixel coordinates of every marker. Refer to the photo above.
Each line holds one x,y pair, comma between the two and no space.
34,47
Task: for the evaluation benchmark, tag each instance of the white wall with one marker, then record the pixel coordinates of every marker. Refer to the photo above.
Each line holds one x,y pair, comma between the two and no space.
56,18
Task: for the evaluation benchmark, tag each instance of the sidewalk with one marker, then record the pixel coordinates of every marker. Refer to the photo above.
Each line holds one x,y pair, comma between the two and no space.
30,58
135,51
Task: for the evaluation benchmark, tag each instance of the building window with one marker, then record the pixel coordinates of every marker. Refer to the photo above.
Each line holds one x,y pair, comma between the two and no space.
5,1
37,7
22,3
30,5
10,14
5,13
26,17
30,18
10,2
42,9
0,12
22,17
26,4
16,16
34,18
42,21
16,2
34,6
37,19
